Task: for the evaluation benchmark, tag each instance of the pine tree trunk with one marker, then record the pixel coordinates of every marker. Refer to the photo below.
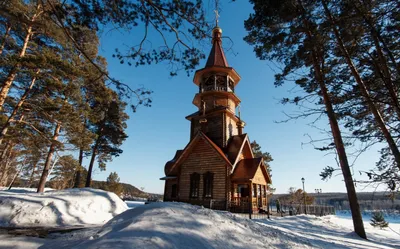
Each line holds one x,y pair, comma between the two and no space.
344,164
3,155
8,29
4,129
78,170
6,162
92,159
94,152
4,176
337,136
49,158
30,183
16,175
363,89
13,73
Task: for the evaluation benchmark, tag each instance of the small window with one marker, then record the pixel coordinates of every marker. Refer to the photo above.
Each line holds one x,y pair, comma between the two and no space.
208,179
194,185
231,85
174,191
254,190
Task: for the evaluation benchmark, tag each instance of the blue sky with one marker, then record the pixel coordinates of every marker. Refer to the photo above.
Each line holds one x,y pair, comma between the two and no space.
156,133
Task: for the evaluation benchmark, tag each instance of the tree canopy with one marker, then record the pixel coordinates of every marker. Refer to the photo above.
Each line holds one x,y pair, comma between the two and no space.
266,156
57,96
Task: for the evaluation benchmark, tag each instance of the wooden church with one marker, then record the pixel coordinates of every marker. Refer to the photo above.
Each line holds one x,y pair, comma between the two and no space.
217,168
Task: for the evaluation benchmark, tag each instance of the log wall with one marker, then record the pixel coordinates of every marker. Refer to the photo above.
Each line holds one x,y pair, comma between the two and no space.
204,158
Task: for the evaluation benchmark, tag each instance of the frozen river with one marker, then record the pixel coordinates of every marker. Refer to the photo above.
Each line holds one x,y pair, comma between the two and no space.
390,217
133,204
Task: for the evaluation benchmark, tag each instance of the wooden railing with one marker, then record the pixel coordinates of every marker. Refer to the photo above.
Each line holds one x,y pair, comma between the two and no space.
238,200
218,88
208,203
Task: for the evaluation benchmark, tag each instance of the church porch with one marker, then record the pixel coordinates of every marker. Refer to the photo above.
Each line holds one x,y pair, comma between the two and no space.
247,194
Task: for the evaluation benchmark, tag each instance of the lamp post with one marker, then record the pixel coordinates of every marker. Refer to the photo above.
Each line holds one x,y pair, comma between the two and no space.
304,195
318,191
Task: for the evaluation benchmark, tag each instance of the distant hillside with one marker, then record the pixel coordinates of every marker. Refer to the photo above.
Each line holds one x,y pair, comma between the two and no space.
367,200
129,191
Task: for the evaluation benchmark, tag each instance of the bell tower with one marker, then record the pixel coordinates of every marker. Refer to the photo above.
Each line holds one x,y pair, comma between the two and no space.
216,100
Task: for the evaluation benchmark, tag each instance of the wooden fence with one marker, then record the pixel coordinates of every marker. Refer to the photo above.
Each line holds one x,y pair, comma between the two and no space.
319,210
243,208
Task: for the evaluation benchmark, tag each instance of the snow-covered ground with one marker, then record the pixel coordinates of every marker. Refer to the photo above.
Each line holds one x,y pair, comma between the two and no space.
70,207
334,232
24,190
177,225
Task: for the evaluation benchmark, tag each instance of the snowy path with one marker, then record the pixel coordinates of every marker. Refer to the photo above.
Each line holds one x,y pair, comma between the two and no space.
333,232
181,226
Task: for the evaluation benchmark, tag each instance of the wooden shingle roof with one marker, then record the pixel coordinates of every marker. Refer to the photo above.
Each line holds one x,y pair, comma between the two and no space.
235,146
217,56
246,169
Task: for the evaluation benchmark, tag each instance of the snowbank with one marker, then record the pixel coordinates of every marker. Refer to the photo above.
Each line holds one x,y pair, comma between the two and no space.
178,225
71,207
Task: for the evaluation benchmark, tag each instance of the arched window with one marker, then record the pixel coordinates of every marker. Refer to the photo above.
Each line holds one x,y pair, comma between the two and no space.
209,83
174,191
194,185
208,179
220,82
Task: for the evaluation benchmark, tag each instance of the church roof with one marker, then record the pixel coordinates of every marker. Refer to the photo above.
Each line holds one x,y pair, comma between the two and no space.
235,146
170,163
197,113
217,56
216,61
246,169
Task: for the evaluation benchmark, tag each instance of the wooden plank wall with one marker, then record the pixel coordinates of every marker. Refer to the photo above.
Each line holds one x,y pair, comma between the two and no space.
215,129
204,158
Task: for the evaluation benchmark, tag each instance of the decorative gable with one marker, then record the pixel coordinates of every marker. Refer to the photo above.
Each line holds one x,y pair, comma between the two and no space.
173,165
